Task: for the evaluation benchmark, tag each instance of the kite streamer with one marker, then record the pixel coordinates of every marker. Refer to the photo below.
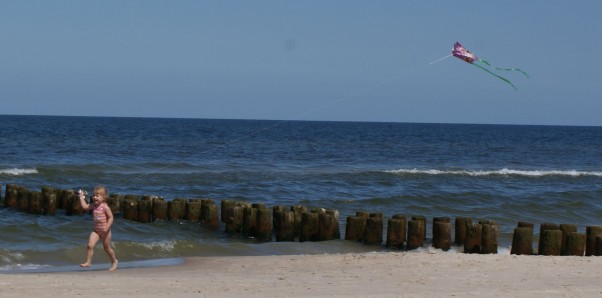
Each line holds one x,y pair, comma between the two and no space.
460,52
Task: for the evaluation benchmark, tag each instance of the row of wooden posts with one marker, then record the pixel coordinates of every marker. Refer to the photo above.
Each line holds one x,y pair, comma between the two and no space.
318,224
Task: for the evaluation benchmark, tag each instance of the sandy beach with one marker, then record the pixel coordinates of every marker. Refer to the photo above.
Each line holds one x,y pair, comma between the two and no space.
392,274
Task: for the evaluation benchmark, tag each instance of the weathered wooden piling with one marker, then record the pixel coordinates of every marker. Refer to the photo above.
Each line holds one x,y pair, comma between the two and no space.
209,213
566,230
416,233
130,211
176,209
74,206
159,209
225,208
249,222
460,230
192,210
396,231
327,226
284,225
114,202
297,211
145,209
373,234
489,237
10,197
337,229
309,227
598,249
355,227
23,199
264,224
591,232
423,219
48,201
551,241
522,241
362,213
34,205
473,238
544,227
61,198
575,245
234,219
442,233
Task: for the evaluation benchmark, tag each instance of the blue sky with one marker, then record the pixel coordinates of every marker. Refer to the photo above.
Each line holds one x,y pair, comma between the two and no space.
302,60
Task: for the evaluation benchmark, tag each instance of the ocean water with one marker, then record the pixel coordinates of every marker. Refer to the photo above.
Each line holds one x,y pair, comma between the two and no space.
504,173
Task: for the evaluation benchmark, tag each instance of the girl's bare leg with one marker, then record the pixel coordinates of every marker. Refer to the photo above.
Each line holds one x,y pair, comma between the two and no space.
106,243
91,243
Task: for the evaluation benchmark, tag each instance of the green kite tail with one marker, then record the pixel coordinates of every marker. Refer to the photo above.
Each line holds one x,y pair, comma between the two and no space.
506,69
500,77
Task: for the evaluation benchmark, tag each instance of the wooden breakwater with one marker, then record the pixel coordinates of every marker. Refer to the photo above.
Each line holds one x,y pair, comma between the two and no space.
298,223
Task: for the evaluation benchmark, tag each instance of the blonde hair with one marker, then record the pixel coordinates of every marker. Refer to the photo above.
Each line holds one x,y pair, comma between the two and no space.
101,190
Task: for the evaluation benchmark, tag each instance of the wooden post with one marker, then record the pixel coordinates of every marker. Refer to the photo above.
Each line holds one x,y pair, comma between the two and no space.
193,210
355,228
23,199
591,233
473,239
225,208
130,211
35,203
461,228
234,219
249,222
297,211
326,226
442,234
544,227
337,229
145,209
159,209
114,202
309,227
551,241
373,233
522,241
598,249
489,238
286,226
176,209
264,224
396,233
566,230
416,232
74,206
423,219
209,214
10,198
575,245
48,201
362,213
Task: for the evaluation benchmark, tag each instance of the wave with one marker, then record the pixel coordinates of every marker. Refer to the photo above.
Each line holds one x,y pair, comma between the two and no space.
18,172
502,172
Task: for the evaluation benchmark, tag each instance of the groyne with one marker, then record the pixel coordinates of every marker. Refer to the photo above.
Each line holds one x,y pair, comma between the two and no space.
298,223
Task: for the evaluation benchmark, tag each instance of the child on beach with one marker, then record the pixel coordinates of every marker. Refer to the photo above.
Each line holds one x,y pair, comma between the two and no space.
103,219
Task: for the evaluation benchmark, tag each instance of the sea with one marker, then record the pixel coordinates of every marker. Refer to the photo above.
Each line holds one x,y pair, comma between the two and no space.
503,173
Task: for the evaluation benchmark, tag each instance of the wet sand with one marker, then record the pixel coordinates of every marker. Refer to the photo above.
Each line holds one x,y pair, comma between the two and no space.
391,274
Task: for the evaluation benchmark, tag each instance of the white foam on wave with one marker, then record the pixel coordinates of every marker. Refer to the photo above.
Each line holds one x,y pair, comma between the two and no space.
18,172
502,172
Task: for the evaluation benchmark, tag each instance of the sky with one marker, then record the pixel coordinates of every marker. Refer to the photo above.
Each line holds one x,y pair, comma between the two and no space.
303,60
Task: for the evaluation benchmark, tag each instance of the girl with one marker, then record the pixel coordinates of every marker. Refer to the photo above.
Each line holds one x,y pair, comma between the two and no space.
103,219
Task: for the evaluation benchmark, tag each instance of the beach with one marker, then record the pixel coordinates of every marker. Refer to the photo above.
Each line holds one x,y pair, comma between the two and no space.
390,274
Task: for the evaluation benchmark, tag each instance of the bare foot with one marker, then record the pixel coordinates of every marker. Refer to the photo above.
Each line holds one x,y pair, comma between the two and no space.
85,265
114,266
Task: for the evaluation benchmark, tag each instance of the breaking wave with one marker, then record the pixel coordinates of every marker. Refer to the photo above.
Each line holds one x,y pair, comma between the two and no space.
18,172
502,172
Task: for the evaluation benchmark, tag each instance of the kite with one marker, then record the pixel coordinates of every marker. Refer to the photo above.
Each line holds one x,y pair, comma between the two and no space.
460,52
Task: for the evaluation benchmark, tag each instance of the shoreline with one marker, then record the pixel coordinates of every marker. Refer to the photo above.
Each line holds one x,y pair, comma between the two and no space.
388,274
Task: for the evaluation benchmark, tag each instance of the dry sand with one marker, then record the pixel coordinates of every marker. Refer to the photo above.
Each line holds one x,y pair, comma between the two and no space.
392,274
